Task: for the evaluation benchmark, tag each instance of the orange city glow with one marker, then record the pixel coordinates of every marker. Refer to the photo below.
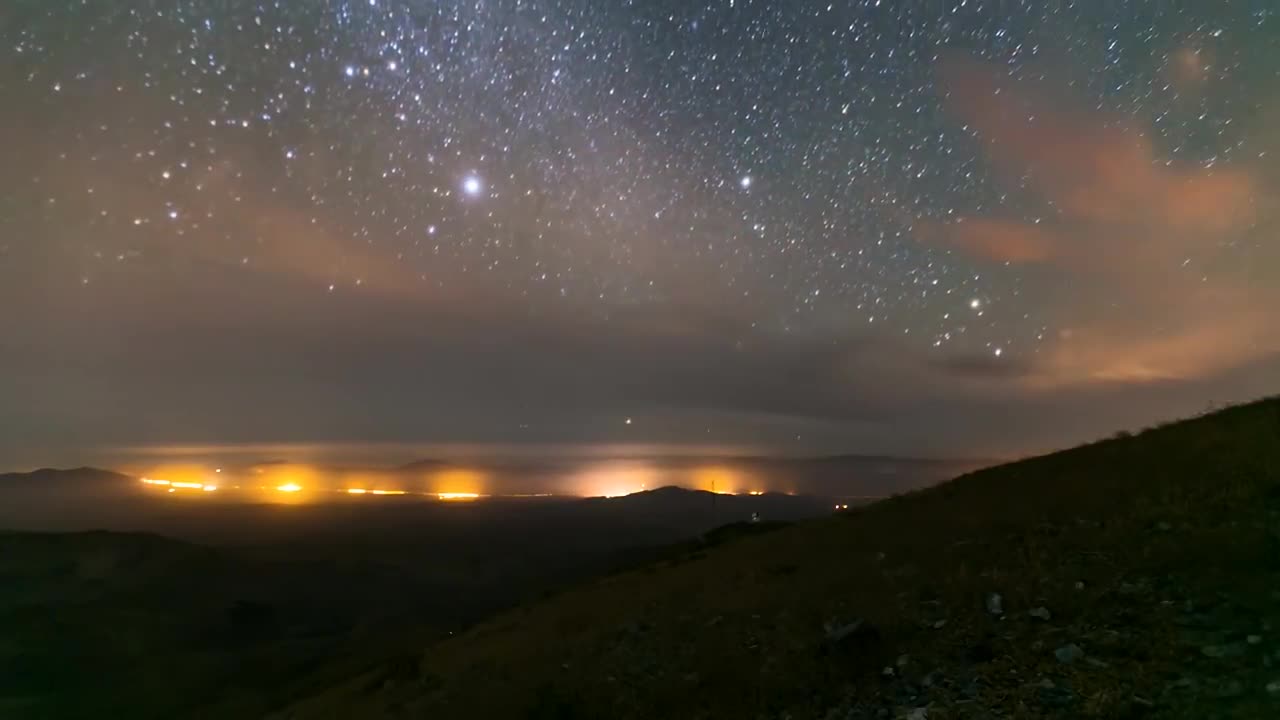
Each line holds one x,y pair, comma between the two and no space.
289,487
616,478
456,484
457,496
718,479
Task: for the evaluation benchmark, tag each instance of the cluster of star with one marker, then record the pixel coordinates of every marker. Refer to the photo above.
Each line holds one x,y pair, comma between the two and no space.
590,153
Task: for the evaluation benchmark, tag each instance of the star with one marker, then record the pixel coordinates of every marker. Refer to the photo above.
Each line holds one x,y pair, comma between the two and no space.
472,185
745,182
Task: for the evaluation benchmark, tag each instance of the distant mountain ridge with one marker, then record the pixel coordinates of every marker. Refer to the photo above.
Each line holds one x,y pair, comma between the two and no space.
80,475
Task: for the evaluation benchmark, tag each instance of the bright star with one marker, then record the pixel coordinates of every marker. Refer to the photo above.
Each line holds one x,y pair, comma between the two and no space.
472,186
745,182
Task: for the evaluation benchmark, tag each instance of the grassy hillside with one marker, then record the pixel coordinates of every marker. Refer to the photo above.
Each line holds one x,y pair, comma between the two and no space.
1137,577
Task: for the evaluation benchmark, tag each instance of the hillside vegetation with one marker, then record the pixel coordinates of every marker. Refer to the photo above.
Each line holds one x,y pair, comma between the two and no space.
1135,577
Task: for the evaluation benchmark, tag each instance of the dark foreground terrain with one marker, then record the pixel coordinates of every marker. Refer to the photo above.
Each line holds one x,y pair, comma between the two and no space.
1136,577
255,605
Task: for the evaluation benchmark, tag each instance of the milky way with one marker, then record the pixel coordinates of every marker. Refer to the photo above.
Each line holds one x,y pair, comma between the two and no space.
826,172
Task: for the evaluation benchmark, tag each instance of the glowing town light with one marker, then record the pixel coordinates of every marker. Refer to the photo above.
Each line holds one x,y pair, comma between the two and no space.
210,488
389,492
457,496
356,491
289,488
187,485
153,481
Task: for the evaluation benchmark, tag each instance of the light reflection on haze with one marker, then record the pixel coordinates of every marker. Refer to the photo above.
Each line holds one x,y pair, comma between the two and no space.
259,471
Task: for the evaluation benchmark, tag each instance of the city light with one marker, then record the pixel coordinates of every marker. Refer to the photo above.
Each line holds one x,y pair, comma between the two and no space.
457,496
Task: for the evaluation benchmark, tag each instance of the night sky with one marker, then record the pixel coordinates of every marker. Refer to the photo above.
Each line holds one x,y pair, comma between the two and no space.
966,228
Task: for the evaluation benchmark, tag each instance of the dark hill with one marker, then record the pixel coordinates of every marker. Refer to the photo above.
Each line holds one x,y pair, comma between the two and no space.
54,478
1135,577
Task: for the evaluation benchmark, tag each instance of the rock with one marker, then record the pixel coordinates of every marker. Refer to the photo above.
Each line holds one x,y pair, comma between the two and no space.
1273,687
1040,613
995,604
856,635
918,714
903,660
1079,584
940,624
1223,651
1068,654
1097,663
1056,697
1163,526
888,671
1254,639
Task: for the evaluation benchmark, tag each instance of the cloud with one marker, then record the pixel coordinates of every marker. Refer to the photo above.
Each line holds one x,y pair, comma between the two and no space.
1126,256
1090,166
997,240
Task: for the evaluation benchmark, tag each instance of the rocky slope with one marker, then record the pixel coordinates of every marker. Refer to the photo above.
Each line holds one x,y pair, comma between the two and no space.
1136,577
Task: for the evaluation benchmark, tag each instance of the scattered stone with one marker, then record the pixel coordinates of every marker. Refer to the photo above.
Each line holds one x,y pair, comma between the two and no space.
1254,639
1079,584
1097,663
995,604
903,660
858,632
1068,654
918,714
1273,687
1040,613
1164,527
888,671
940,624
1055,696
1223,651
1138,699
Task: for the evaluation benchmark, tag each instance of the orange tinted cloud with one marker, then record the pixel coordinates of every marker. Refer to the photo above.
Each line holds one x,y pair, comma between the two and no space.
1130,306
998,240
1091,167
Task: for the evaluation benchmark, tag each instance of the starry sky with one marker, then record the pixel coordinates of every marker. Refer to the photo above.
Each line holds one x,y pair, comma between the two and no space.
934,228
